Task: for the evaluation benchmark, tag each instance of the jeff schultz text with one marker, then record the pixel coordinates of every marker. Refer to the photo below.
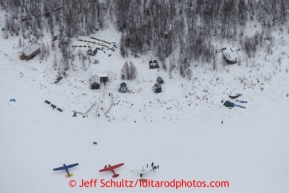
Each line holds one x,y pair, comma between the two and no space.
148,183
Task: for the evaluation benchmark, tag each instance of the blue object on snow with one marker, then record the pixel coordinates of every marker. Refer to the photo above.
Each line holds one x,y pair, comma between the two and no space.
12,100
95,143
98,115
109,55
241,101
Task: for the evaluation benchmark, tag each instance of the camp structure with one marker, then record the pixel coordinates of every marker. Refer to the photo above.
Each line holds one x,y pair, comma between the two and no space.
153,64
94,82
103,77
229,104
92,51
160,80
230,56
157,88
123,87
30,52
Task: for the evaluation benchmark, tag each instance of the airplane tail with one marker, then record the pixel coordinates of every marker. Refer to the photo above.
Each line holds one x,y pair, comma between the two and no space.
115,175
68,175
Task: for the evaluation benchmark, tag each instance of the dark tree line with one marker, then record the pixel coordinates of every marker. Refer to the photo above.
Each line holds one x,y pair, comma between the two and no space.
162,26
157,25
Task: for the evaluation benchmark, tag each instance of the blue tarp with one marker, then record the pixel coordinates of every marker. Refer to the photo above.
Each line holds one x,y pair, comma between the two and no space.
241,101
12,100
95,143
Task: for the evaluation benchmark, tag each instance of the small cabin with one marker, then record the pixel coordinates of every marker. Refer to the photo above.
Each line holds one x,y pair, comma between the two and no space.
160,80
103,77
92,51
95,82
153,64
157,88
30,52
123,87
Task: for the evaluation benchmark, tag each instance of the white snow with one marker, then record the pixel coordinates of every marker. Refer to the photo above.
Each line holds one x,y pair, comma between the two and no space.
180,129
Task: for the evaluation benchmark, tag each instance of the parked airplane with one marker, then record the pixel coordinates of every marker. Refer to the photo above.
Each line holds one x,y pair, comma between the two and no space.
65,167
111,168
143,172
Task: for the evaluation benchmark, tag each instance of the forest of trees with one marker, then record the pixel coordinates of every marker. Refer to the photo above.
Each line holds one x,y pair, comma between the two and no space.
160,26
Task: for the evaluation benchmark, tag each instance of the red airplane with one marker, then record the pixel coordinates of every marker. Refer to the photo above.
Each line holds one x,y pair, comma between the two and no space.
111,168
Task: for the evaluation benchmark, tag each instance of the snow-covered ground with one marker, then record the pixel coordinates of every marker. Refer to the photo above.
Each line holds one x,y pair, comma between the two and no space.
180,129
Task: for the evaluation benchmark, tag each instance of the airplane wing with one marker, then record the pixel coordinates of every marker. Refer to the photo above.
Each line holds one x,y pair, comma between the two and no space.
104,170
60,168
143,171
65,167
72,165
111,167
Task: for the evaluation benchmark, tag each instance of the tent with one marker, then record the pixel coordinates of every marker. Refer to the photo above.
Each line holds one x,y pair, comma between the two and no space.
123,87
229,104
160,80
157,88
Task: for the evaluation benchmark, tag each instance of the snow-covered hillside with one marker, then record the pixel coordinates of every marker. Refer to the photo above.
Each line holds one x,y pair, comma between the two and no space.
180,129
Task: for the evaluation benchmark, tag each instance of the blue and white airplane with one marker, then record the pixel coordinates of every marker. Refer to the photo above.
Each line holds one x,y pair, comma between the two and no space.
65,167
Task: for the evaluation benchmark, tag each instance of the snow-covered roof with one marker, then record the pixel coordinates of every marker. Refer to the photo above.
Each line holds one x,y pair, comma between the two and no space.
30,49
93,48
153,62
102,74
95,78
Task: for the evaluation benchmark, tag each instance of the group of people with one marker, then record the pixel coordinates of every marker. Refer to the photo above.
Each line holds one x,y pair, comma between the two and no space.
154,166
107,166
